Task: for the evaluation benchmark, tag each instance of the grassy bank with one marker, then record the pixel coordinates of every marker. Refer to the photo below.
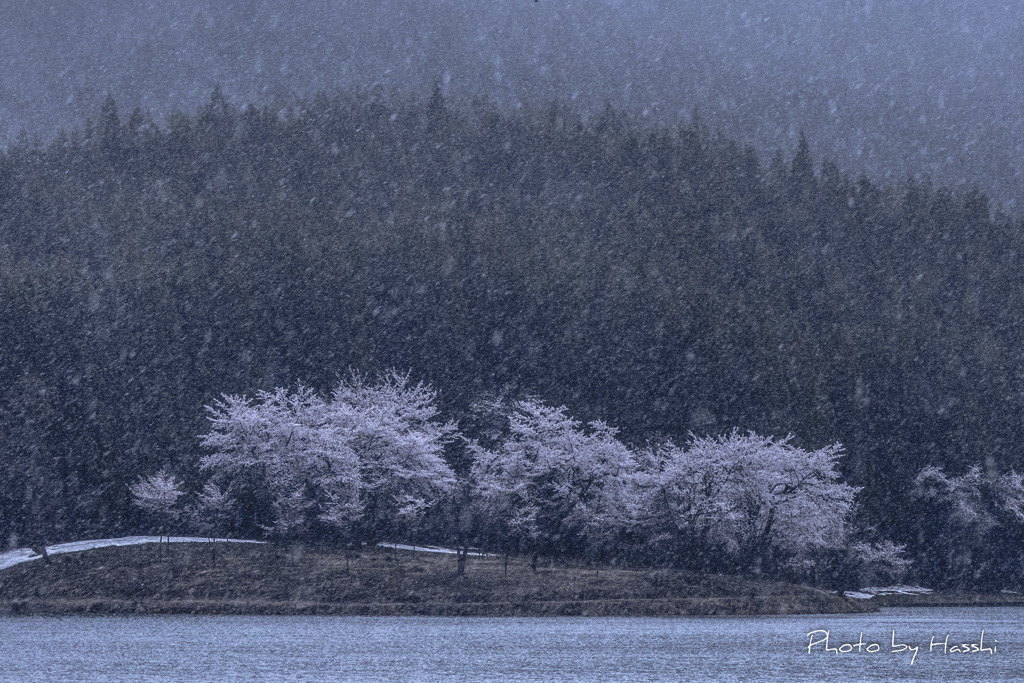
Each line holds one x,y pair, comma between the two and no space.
272,579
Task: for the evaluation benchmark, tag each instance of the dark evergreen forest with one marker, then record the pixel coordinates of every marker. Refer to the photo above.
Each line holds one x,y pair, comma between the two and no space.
664,280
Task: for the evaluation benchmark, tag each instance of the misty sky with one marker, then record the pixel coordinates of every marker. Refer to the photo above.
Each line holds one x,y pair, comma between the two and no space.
890,87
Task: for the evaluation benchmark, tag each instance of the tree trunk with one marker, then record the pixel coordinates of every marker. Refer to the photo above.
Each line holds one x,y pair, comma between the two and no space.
41,550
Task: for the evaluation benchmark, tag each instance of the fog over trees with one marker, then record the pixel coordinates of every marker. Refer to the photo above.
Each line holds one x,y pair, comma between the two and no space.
561,252
889,87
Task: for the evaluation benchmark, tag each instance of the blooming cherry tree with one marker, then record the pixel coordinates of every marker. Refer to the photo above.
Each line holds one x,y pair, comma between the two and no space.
971,526
551,485
392,428
158,495
367,463
762,501
290,470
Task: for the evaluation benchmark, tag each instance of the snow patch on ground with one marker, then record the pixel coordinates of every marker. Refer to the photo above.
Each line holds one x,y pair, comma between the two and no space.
430,549
19,555
857,595
13,557
872,591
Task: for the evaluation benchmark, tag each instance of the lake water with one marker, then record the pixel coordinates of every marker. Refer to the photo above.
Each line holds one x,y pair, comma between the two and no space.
183,648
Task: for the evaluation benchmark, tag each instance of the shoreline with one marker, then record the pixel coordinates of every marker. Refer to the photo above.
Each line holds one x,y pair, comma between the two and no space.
952,599
270,579
666,607
709,607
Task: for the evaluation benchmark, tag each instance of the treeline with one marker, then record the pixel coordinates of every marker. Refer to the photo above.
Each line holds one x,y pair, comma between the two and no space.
366,466
664,280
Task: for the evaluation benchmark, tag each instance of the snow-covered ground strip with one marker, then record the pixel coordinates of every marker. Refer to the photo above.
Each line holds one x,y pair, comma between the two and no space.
901,590
13,557
429,549
19,555
872,591
77,546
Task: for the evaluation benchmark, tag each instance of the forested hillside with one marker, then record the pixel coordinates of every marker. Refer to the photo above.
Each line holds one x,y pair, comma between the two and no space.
885,87
664,280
